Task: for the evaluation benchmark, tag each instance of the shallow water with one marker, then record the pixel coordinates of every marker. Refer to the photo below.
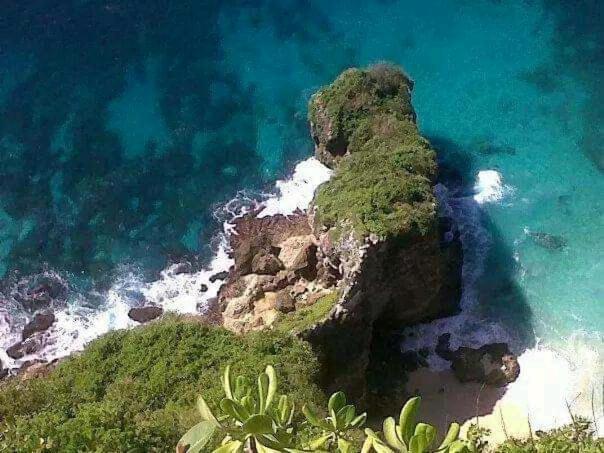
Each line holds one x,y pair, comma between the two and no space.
126,126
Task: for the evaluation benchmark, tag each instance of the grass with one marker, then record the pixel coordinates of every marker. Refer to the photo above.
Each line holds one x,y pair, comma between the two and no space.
306,317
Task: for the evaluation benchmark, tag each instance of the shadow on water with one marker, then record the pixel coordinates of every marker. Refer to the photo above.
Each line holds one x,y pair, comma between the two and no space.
500,298
499,301
579,53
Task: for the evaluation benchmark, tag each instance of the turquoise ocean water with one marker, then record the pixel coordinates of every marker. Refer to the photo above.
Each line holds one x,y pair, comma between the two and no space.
125,127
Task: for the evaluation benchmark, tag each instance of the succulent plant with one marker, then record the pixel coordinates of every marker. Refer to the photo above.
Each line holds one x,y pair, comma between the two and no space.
342,418
248,418
410,437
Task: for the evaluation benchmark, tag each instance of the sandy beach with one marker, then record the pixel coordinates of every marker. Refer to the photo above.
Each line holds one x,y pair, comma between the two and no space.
445,399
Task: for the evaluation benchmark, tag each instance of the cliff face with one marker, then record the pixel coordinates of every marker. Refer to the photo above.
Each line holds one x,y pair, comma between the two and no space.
372,233
377,219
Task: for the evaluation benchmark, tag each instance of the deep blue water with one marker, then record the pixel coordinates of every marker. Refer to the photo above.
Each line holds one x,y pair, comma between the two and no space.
125,124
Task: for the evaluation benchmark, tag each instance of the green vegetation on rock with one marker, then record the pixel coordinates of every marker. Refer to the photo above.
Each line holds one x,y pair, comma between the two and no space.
306,317
384,168
135,390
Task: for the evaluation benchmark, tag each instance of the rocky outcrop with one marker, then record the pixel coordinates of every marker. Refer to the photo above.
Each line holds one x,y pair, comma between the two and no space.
492,364
372,232
145,314
376,220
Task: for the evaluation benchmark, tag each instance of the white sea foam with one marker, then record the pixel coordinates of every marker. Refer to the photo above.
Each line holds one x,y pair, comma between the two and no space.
555,382
297,192
489,187
78,323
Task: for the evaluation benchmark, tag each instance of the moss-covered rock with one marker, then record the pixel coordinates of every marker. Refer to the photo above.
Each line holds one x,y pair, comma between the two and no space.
135,390
335,112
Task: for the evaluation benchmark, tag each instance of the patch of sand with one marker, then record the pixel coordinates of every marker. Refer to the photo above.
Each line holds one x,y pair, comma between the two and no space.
445,399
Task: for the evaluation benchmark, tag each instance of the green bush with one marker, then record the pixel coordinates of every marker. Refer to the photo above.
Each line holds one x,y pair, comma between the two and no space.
383,185
135,390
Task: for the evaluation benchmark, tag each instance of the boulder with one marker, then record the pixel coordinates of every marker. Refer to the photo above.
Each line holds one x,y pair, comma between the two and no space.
284,302
492,364
254,235
265,263
299,253
280,281
145,314
40,323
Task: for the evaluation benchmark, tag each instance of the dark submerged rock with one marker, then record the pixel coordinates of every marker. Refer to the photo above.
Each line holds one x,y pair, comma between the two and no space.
145,314
548,241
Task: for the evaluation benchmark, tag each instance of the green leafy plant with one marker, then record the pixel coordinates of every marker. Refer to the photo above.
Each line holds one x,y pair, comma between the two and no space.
249,419
341,419
410,437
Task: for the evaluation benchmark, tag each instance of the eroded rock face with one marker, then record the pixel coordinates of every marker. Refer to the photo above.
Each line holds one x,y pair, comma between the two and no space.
145,314
391,274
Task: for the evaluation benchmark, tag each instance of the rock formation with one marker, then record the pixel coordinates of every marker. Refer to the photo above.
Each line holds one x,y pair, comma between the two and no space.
372,233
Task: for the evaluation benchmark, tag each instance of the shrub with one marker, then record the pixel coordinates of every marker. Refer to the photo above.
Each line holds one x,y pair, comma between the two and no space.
383,182
135,390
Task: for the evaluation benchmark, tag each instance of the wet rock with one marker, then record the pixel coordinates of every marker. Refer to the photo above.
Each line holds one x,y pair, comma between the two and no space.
492,364
40,291
219,276
265,263
23,348
3,371
40,323
548,241
284,302
203,288
145,314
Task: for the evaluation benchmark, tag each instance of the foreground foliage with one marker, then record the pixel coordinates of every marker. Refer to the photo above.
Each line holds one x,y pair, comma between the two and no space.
135,390
249,421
